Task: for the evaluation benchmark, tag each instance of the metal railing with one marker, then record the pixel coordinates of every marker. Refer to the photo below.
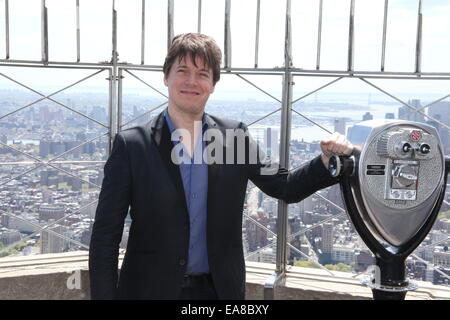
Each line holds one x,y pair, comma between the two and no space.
287,73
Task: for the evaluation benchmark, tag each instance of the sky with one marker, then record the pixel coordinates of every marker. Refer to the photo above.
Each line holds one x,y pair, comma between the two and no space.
96,43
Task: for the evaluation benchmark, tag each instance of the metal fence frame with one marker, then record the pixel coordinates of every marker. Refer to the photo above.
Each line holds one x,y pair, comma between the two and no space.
287,73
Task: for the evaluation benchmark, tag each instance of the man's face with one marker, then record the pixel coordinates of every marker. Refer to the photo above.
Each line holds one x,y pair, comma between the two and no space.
189,85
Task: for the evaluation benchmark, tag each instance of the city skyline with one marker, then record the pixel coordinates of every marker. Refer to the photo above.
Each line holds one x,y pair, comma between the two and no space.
52,194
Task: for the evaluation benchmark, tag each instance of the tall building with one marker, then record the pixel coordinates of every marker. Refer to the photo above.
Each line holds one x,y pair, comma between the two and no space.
406,113
99,113
327,237
50,242
339,125
271,147
389,115
49,177
441,258
50,212
343,254
44,114
4,140
441,112
8,236
364,259
245,245
367,116
257,236
326,243
46,196
306,205
429,274
76,153
44,148
335,196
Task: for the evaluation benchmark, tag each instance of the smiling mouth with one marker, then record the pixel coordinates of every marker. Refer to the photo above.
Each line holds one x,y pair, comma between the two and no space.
192,93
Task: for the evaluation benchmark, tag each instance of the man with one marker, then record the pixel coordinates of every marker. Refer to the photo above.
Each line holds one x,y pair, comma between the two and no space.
185,239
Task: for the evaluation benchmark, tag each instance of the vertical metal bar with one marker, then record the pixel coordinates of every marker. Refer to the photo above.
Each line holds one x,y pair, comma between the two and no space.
319,35
351,34
285,136
44,32
288,38
113,79
119,100
170,10
199,17
258,14
114,35
143,32
78,30
419,39
383,44
227,38
7,27
112,132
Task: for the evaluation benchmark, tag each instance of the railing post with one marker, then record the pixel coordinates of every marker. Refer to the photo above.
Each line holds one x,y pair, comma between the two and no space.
285,136
170,32
419,40
227,37
78,29
143,32
199,16
258,14
319,35
351,36
383,41
44,32
113,106
119,100
7,28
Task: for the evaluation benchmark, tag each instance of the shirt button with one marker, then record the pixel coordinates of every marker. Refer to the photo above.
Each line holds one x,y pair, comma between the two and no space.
182,262
194,195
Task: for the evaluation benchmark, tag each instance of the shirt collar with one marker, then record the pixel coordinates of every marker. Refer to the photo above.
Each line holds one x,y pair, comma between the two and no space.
172,126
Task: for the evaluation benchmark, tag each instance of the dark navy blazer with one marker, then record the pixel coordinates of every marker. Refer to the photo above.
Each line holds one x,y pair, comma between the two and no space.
140,175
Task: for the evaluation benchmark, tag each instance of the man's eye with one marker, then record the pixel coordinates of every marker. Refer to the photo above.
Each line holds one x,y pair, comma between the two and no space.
205,75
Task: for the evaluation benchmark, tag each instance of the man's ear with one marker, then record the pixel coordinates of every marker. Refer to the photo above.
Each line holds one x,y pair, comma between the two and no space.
212,89
165,80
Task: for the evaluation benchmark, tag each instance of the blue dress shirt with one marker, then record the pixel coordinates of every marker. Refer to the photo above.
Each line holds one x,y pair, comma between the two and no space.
195,182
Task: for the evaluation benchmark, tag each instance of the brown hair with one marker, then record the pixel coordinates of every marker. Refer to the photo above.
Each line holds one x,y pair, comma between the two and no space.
195,45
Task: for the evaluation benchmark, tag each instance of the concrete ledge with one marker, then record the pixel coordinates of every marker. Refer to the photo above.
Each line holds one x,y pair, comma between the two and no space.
65,276
62,276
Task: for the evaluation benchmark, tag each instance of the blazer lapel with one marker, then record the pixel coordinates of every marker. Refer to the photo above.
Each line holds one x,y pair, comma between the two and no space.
161,137
213,169
160,134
